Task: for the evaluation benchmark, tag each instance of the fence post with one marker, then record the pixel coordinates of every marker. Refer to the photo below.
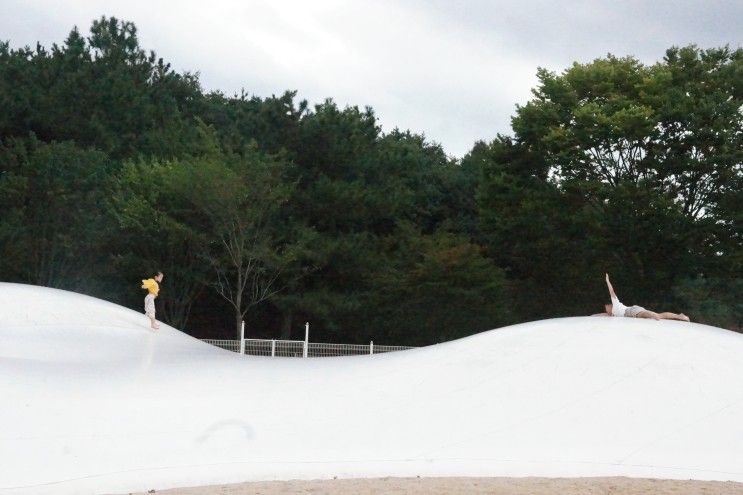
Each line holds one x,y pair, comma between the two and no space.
371,347
242,337
273,348
306,338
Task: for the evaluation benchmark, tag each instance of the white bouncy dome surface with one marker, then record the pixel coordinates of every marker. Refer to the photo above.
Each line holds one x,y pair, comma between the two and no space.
95,402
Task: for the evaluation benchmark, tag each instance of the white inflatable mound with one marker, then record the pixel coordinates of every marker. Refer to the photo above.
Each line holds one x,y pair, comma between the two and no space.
95,402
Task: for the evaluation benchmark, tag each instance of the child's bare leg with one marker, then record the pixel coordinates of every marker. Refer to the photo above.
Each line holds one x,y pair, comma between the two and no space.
650,315
153,323
674,316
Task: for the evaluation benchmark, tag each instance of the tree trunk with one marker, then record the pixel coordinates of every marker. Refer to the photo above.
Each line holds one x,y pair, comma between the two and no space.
238,321
238,303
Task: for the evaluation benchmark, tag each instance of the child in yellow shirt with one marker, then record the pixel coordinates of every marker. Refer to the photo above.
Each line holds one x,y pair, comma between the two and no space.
153,288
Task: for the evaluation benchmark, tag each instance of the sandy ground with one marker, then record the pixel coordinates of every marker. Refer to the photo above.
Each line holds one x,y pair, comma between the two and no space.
491,486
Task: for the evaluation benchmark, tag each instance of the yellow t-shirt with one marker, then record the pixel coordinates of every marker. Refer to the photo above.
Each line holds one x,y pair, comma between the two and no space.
151,285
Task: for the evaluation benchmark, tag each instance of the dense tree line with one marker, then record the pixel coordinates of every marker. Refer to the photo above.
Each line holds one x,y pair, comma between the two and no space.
112,166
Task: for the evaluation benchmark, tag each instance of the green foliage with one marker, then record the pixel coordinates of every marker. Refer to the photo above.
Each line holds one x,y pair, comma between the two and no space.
104,92
674,126
434,288
621,167
544,238
157,230
272,124
713,301
112,166
239,199
49,223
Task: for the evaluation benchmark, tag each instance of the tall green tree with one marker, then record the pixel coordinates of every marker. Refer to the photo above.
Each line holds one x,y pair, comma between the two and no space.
104,92
546,240
158,229
642,152
50,224
433,288
240,199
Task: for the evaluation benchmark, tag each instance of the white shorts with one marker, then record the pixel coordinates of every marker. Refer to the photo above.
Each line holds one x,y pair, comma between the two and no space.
633,311
149,305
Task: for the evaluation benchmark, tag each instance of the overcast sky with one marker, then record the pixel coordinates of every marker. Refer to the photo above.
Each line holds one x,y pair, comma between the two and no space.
453,70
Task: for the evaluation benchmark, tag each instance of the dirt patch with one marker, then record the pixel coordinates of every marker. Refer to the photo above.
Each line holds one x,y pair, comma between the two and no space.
448,486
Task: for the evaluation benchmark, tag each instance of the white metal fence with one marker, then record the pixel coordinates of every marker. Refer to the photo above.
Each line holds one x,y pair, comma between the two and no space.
298,348
230,345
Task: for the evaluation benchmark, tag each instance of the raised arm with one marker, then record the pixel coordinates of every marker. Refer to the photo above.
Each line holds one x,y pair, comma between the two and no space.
611,289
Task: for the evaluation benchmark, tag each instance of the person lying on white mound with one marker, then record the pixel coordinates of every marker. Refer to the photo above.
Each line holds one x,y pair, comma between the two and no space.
616,308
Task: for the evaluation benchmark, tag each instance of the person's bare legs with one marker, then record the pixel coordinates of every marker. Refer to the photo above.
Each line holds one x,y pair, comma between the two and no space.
652,315
674,316
649,315
149,310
